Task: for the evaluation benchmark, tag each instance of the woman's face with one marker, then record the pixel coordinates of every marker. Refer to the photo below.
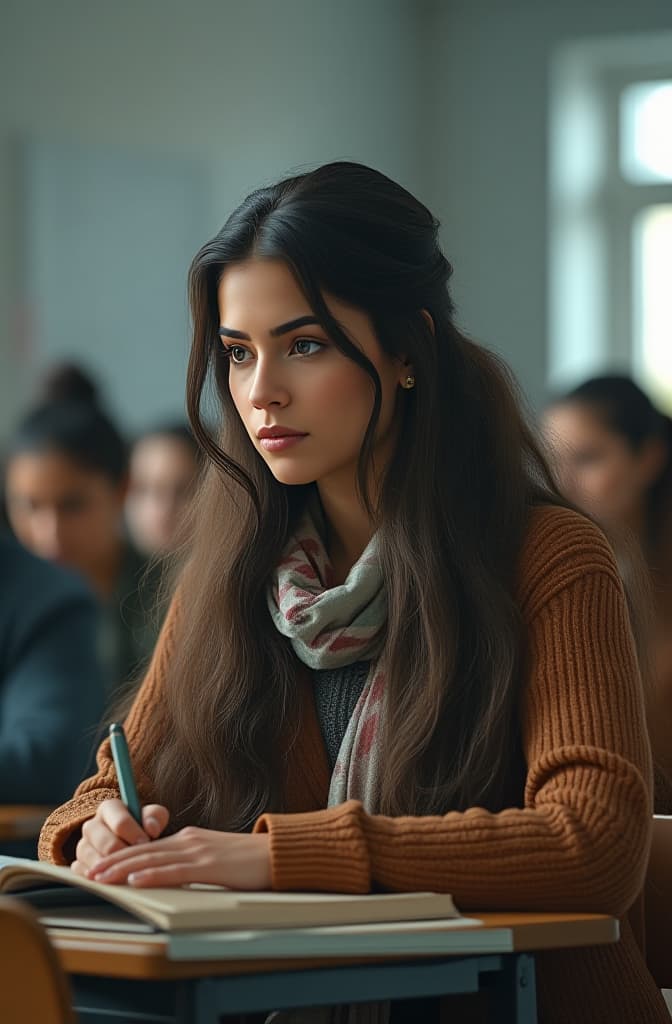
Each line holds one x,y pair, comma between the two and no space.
598,469
163,471
304,404
62,511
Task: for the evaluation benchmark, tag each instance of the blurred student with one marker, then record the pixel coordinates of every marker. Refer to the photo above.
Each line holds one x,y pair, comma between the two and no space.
163,471
614,455
65,484
51,691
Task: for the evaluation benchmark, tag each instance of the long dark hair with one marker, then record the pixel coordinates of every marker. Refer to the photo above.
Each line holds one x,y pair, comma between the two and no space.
626,410
451,517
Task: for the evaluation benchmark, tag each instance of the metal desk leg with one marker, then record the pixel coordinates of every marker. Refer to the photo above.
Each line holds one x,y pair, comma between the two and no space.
513,993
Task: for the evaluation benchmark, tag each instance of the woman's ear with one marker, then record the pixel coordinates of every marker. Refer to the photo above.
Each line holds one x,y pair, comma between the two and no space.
407,374
429,320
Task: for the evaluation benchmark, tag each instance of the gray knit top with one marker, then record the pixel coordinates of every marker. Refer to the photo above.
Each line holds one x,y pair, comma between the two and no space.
336,693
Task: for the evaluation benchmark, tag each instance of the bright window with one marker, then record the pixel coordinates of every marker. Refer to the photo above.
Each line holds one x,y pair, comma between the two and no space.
610,206
652,306
646,132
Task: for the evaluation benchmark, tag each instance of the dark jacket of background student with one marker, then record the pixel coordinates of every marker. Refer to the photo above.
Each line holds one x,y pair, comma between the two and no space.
51,693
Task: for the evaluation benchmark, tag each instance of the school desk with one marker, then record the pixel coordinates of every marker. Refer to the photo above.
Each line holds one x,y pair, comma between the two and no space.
129,977
21,821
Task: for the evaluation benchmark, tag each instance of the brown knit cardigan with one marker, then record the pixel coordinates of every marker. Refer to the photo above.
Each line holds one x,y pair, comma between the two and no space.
579,839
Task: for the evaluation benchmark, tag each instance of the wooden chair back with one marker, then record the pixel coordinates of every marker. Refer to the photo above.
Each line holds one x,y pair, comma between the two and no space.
33,986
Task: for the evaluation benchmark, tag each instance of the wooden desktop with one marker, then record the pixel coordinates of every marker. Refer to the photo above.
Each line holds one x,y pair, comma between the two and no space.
21,821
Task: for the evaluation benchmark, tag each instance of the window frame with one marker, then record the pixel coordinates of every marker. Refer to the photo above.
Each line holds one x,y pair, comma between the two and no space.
593,207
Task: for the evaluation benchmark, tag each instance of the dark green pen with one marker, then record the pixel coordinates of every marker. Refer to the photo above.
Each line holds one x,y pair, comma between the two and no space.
124,770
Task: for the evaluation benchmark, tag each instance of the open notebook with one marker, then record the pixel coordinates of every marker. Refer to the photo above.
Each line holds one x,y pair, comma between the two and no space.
60,895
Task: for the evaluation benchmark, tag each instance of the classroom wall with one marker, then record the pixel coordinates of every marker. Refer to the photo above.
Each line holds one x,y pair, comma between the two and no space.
487,155
245,91
450,96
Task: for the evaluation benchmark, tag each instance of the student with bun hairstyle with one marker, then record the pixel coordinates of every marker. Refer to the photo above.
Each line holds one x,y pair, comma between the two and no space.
389,655
66,479
66,382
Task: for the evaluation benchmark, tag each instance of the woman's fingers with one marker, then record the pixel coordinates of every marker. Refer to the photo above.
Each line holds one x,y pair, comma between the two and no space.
97,836
85,855
166,875
154,819
140,859
238,861
116,816
79,868
113,830
118,864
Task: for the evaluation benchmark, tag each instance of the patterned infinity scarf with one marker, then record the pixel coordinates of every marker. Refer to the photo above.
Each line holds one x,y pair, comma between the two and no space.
328,627
332,626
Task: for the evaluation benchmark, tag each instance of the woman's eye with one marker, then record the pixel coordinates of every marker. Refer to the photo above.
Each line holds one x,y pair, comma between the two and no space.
236,353
306,347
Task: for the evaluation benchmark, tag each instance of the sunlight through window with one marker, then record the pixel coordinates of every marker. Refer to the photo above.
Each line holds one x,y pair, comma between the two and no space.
652,263
646,132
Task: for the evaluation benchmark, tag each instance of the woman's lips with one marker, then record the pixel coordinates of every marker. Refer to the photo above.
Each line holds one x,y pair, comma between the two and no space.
278,444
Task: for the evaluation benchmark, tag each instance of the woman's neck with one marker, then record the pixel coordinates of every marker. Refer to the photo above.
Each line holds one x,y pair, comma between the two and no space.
349,529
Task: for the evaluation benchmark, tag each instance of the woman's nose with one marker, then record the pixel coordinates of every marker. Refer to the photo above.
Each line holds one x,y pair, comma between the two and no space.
268,387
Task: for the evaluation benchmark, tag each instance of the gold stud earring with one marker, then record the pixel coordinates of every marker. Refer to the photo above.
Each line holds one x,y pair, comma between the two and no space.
409,383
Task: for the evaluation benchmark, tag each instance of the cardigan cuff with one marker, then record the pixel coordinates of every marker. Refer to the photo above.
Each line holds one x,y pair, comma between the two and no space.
62,829
321,851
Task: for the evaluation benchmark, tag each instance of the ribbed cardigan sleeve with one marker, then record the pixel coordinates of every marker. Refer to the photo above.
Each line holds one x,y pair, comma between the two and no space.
580,842
143,727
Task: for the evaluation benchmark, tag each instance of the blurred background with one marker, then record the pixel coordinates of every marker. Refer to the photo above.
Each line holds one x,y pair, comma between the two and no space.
540,133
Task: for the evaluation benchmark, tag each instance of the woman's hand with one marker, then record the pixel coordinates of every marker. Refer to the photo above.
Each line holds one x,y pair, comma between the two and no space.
238,861
112,828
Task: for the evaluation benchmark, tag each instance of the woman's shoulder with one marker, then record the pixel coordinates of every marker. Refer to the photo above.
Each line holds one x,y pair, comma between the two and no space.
560,548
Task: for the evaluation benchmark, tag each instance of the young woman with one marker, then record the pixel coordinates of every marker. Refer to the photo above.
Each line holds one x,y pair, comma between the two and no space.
614,452
388,657
66,478
163,470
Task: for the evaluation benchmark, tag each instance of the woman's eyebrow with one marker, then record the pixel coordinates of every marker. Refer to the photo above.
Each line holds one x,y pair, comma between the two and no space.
275,332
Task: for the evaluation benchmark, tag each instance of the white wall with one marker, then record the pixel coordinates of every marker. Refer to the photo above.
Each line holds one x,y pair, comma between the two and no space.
251,90
490,62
